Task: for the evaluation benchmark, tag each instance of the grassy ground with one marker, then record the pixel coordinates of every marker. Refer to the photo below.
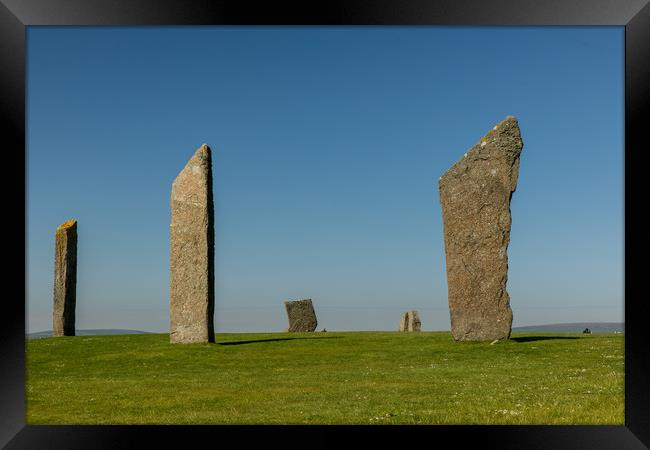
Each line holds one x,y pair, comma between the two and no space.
326,378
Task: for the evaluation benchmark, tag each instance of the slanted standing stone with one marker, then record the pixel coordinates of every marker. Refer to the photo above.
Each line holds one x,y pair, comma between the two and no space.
65,279
410,321
301,314
192,252
475,197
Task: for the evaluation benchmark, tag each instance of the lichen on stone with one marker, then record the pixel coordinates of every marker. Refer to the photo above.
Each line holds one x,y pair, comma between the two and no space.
67,224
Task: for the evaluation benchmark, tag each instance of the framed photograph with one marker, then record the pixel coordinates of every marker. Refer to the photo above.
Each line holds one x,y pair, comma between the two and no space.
386,200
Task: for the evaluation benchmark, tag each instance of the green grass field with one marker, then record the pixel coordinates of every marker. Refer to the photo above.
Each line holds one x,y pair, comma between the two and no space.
326,378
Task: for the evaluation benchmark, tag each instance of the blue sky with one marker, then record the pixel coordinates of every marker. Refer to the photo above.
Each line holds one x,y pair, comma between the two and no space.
327,147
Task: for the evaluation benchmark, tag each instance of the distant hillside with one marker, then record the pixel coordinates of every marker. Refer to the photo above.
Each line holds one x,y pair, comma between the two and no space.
48,333
576,327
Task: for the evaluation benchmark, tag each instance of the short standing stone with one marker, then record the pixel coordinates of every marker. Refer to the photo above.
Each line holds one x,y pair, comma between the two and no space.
65,279
475,198
301,315
410,321
192,252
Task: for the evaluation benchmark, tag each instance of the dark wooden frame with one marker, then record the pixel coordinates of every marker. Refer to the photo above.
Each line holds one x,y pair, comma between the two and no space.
634,15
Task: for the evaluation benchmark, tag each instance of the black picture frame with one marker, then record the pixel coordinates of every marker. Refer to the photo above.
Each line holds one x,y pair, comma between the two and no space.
634,15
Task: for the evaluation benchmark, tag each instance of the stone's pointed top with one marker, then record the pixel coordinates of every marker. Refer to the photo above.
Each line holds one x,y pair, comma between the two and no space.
511,119
501,125
203,151
502,134
197,168
67,224
507,119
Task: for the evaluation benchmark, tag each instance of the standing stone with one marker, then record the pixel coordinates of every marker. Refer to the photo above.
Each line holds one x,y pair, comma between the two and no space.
65,279
410,321
475,197
192,252
301,314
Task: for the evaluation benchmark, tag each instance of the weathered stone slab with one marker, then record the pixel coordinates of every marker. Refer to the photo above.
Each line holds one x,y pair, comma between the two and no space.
192,252
65,279
475,197
301,315
410,321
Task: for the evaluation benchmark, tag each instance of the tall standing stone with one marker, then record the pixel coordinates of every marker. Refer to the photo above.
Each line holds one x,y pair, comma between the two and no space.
192,252
475,196
65,279
301,315
410,321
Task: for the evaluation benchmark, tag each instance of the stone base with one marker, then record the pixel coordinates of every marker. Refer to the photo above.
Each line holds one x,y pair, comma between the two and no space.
470,326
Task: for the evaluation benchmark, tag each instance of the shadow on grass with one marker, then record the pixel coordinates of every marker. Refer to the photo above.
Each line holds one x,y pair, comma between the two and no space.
540,338
276,339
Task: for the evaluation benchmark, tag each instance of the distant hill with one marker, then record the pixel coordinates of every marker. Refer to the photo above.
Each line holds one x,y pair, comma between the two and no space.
48,333
576,327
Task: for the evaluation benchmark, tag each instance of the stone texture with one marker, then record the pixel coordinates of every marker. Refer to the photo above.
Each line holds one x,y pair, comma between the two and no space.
192,252
475,196
65,279
410,321
301,315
